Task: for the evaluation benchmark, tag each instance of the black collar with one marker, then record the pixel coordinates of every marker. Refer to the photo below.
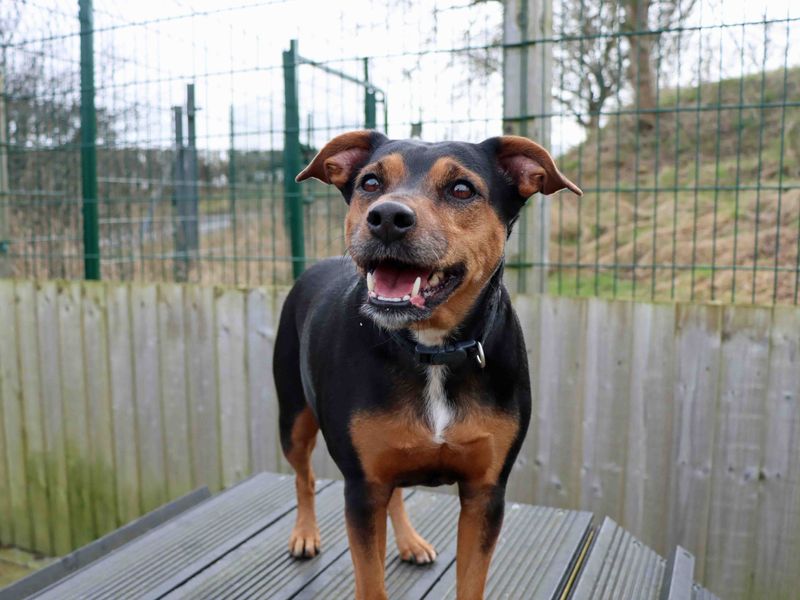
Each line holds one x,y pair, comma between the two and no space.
455,353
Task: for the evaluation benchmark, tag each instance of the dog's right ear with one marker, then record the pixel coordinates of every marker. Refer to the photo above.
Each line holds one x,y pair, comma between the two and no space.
342,157
528,166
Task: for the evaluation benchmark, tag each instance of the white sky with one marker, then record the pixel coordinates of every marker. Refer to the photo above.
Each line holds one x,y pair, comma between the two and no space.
234,57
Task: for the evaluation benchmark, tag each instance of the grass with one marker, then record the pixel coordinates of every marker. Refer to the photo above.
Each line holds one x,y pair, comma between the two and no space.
16,564
587,284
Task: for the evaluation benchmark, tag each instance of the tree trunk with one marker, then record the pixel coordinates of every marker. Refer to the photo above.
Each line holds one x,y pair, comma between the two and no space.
640,65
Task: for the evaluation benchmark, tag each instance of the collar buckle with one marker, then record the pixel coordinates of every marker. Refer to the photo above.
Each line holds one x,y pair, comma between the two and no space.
450,354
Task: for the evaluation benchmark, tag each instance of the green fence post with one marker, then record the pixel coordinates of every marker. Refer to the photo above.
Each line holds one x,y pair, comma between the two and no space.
293,202
91,243
370,102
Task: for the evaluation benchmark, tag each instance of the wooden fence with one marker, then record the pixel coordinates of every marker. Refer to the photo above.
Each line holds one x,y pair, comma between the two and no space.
682,422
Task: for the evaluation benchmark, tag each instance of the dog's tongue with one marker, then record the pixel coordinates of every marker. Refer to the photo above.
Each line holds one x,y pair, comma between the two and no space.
393,282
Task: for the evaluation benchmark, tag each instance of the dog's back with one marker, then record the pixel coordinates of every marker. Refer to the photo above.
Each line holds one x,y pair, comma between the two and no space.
321,286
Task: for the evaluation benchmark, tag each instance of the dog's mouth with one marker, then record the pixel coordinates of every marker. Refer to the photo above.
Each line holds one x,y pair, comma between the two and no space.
394,284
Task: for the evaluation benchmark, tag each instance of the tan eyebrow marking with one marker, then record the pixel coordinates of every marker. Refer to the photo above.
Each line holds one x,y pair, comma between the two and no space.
391,168
446,169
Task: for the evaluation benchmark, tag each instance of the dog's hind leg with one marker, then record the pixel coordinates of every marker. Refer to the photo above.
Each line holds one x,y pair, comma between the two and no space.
304,540
298,430
412,546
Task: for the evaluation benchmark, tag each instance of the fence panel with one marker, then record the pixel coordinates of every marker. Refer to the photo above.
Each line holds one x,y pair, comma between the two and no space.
53,402
680,421
31,395
98,399
558,383
697,364
173,387
77,444
204,411
123,403
778,526
149,417
738,448
650,417
606,399
13,421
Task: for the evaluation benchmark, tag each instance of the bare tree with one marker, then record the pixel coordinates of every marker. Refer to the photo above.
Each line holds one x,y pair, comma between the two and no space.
587,65
644,24
608,45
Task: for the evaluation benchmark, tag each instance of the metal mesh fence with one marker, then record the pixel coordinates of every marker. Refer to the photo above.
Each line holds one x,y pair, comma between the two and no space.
680,121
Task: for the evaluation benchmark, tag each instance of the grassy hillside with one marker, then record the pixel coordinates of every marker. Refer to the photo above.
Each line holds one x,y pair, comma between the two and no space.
707,202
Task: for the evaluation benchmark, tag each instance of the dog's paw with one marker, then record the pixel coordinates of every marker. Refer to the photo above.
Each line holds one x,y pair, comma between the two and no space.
304,541
414,549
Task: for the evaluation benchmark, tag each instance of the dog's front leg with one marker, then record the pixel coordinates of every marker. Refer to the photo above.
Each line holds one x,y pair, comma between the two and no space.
365,511
478,527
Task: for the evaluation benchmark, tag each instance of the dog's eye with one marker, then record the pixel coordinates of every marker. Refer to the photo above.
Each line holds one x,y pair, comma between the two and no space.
370,183
462,190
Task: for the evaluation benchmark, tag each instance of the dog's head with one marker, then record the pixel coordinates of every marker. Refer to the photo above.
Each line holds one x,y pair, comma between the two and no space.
427,223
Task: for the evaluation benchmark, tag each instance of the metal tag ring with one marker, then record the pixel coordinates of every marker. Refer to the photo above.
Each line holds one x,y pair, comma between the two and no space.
481,358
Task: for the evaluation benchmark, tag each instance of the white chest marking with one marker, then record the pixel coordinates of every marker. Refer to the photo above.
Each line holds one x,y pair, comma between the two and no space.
437,408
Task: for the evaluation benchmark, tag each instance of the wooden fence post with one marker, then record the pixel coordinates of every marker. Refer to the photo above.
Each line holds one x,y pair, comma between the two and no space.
527,78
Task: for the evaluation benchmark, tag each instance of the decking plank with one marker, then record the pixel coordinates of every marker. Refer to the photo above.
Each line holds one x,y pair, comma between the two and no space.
435,517
621,567
533,556
84,556
263,568
164,558
617,565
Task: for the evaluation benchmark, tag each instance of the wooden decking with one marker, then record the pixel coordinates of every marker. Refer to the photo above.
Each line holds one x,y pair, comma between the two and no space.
233,545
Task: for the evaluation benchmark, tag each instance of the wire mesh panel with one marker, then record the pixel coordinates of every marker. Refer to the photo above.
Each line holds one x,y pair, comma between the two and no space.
686,118
680,119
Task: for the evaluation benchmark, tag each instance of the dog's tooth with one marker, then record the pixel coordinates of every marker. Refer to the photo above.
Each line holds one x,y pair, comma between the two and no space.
434,280
370,282
406,298
417,284
373,295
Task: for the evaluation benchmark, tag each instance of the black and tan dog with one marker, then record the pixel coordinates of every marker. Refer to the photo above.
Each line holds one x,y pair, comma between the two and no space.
409,357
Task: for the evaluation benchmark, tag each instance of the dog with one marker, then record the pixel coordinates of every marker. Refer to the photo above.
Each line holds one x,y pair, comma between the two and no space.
407,354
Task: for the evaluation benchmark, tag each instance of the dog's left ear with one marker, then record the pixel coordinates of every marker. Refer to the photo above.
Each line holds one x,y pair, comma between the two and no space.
343,156
529,166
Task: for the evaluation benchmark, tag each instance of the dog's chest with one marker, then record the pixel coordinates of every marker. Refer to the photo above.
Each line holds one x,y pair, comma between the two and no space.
400,446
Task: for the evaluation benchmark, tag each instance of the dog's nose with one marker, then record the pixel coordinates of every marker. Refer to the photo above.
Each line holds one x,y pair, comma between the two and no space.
389,221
